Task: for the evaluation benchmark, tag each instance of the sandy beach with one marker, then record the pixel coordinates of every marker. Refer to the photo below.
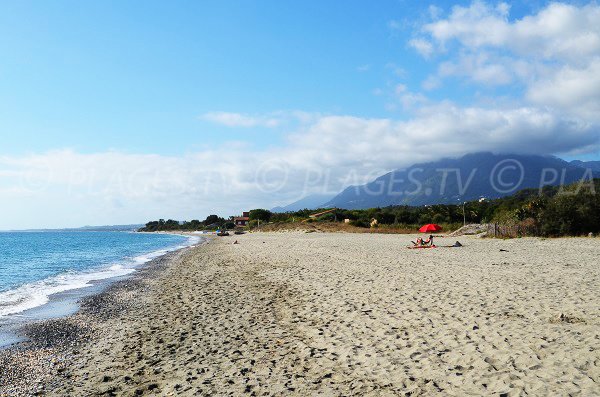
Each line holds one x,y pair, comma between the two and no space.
332,314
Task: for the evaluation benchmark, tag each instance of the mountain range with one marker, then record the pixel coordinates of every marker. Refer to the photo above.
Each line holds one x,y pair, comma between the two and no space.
449,181
309,202
593,165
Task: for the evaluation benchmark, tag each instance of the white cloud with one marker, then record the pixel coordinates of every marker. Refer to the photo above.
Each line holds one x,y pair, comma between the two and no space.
434,11
396,70
322,156
276,119
473,26
230,119
400,88
576,90
552,56
408,99
558,31
394,25
480,69
423,47
431,83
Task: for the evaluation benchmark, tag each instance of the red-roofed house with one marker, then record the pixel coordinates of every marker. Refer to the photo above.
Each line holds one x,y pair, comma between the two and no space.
243,220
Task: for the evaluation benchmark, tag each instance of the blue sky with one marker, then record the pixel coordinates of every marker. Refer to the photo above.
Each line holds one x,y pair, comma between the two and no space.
102,75
182,84
113,75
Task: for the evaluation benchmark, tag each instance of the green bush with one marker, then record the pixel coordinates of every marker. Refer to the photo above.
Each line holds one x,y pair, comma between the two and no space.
360,223
261,214
330,217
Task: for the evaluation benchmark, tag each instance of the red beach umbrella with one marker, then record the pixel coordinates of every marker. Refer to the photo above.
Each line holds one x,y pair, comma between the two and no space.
430,227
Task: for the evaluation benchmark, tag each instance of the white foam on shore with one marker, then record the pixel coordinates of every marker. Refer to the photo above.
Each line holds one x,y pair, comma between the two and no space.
38,293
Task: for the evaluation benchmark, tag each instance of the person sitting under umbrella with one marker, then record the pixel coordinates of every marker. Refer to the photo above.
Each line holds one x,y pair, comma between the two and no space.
423,243
430,227
429,241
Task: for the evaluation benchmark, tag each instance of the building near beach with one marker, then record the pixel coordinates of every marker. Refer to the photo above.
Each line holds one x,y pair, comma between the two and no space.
242,220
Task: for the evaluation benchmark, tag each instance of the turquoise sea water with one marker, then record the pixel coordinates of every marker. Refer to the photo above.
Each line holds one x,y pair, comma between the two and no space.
35,265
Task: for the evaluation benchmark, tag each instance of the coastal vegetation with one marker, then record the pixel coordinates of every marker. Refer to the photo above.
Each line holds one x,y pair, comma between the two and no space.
551,211
211,222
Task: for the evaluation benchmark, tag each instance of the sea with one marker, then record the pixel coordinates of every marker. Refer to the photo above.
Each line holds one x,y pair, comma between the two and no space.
36,266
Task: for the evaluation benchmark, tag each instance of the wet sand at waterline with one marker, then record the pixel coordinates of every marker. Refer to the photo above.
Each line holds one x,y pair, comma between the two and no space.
350,314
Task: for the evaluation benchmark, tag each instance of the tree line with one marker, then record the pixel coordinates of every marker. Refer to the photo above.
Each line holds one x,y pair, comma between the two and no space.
551,211
211,222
